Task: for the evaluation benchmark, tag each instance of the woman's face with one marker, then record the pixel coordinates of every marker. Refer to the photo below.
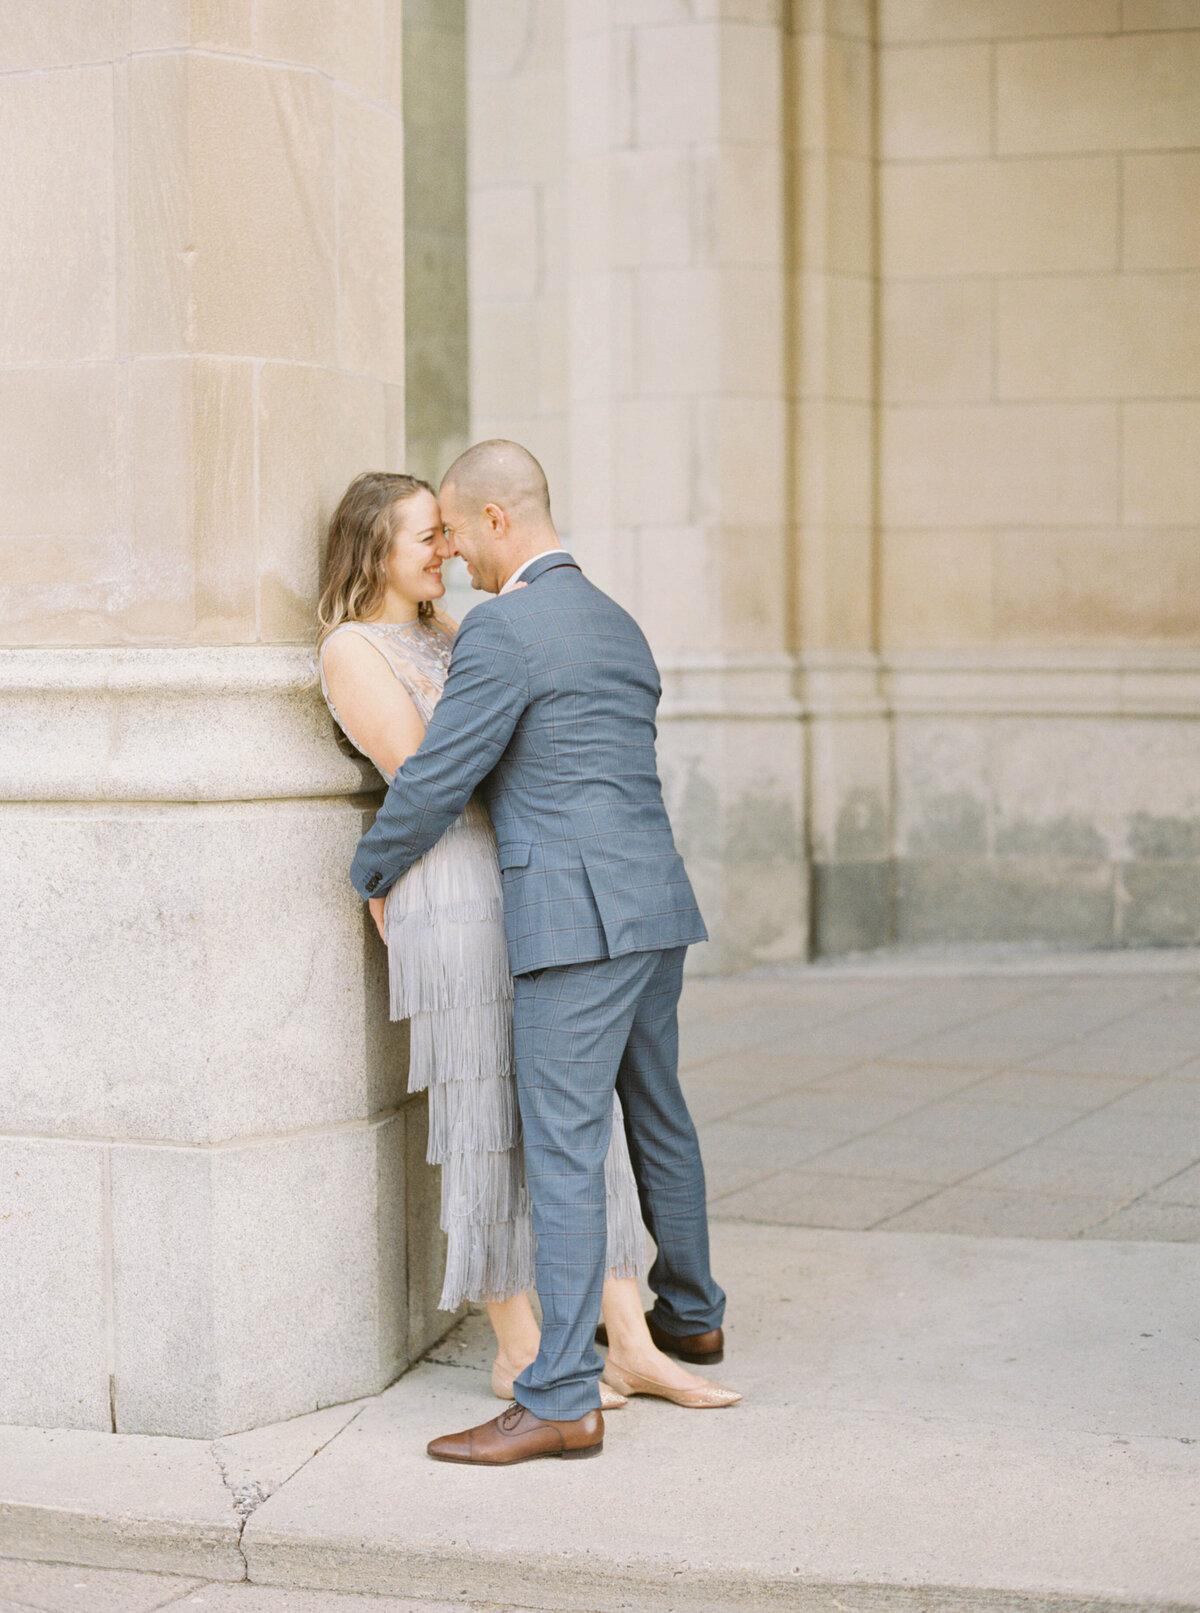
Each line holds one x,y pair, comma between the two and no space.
414,562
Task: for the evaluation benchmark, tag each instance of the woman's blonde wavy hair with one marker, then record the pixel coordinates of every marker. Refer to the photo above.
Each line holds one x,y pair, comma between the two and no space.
360,536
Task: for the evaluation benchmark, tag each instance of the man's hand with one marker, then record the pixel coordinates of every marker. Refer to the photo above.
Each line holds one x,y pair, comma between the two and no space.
375,903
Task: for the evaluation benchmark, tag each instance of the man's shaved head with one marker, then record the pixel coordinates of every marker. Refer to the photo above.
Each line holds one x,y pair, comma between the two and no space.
503,473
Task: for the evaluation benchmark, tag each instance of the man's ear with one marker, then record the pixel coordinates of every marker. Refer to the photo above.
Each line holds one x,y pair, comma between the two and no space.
496,518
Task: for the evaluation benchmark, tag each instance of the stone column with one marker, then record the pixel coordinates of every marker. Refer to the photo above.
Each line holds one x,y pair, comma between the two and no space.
678,420
214,1210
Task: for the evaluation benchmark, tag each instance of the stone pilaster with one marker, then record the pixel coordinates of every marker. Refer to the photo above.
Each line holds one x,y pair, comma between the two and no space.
208,1160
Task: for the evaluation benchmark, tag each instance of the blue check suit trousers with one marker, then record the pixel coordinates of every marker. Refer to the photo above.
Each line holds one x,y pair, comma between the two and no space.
579,1030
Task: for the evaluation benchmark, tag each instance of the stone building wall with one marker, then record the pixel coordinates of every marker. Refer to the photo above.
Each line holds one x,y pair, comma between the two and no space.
859,341
1039,513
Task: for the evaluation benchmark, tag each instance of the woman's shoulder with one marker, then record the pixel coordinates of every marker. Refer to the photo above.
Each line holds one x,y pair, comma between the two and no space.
348,647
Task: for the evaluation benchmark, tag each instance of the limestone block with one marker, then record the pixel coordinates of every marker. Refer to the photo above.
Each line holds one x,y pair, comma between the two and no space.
59,33
504,357
936,589
935,101
834,221
515,127
500,36
734,791
1117,788
199,995
262,209
167,24
834,89
1001,464
601,94
344,38
1161,446
746,211
914,20
833,341
1161,214
58,451
834,565
853,907
1023,217
223,525
850,765
943,786
257,1282
160,242
752,329
848,19
753,616
652,208
1110,587
160,581
1158,904
504,241
1115,93
678,609
316,431
833,454
600,331
936,341
57,249
678,332
751,79
1098,336
52,1283
1060,901
742,459
655,447
1139,14
370,239
679,91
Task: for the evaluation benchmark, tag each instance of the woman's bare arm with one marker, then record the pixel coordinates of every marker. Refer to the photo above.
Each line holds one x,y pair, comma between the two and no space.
374,706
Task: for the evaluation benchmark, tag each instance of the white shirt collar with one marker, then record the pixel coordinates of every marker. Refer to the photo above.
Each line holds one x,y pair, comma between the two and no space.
533,559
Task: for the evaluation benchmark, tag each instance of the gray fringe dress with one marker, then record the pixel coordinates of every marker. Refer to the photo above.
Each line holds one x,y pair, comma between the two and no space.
449,975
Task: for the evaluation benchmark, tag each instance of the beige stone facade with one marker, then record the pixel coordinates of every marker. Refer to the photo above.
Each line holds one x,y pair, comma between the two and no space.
860,342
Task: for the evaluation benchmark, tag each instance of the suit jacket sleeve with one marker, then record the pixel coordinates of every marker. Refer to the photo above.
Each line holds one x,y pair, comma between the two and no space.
486,692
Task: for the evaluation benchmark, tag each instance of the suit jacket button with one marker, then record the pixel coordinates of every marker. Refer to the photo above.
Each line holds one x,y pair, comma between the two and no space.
372,882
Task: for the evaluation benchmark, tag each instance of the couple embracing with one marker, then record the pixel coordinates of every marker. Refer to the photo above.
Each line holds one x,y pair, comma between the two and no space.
523,876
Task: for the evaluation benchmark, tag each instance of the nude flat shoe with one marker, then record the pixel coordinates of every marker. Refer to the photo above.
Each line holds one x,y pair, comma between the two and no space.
705,1396
610,1400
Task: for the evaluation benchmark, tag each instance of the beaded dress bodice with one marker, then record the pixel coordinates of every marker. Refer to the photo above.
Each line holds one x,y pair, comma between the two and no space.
418,653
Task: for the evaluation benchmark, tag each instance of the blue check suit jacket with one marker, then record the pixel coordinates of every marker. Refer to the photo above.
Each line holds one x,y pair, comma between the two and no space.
550,708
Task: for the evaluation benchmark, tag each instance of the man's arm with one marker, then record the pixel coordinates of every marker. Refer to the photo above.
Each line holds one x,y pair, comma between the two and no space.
485,694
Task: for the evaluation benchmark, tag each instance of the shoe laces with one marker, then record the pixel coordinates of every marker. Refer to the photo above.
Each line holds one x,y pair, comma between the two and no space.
511,1416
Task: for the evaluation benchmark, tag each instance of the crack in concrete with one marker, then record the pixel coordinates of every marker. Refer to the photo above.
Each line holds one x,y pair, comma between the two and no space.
248,1495
242,1504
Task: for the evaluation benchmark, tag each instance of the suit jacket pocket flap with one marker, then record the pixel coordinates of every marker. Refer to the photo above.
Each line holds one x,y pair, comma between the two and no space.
514,856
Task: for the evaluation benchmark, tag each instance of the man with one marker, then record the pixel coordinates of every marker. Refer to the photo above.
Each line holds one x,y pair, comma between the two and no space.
550,705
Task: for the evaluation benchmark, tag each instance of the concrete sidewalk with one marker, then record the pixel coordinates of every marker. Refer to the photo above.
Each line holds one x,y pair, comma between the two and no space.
1003,1422
937,1415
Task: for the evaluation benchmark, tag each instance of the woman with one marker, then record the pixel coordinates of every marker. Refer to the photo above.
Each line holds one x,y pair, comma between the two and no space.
384,654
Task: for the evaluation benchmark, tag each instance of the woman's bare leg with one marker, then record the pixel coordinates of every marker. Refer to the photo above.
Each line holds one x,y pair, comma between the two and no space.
629,1337
517,1334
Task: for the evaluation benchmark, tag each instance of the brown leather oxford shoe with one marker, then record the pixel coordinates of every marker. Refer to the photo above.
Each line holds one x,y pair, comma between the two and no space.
701,1349
519,1435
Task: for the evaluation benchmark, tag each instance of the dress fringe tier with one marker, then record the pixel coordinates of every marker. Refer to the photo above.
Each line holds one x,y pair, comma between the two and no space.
448,975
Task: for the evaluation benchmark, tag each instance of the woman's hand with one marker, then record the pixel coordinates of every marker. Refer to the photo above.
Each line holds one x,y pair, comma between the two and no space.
375,903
